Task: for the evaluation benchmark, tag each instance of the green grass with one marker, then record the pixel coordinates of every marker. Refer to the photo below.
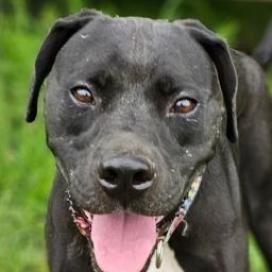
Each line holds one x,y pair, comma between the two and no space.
26,166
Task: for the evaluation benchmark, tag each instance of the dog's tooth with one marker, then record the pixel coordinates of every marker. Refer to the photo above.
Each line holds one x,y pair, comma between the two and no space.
159,219
88,215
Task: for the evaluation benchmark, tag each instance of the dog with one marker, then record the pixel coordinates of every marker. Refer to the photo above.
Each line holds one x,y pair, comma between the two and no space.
162,137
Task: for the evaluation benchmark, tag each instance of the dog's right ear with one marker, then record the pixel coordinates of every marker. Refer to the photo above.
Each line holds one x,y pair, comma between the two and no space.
60,33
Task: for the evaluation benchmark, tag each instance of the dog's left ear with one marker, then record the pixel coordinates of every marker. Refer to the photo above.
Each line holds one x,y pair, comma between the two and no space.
60,33
219,52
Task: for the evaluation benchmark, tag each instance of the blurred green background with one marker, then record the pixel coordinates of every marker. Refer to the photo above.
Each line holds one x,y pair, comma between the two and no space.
26,167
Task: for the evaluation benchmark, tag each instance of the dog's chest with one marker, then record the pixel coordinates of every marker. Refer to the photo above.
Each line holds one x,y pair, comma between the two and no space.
169,262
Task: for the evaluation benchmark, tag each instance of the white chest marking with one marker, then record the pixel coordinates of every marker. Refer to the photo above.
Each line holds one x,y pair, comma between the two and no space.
169,263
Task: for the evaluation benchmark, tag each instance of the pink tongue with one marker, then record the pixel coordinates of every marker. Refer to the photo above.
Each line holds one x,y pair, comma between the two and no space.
123,242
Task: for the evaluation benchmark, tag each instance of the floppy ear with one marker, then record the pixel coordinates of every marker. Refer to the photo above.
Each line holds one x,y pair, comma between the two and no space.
62,30
219,52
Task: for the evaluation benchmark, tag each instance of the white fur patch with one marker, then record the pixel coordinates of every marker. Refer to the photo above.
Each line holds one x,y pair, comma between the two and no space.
169,262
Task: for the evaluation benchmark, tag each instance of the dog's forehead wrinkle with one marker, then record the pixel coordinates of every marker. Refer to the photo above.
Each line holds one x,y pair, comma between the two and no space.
144,40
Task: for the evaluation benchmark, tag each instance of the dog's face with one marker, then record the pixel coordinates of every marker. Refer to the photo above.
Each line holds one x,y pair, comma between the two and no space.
134,109
136,91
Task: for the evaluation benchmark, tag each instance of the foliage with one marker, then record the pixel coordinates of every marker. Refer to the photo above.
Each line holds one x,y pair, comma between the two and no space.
26,165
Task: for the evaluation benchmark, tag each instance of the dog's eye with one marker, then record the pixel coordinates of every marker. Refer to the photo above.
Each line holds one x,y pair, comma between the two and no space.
184,105
83,95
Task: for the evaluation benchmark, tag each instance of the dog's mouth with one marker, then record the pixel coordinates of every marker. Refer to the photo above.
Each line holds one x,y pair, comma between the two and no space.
125,241
119,241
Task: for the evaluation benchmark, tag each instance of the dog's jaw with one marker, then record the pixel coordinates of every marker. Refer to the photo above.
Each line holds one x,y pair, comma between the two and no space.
118,237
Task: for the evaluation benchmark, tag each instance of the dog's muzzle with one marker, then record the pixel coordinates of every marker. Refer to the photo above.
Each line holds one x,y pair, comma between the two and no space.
154,239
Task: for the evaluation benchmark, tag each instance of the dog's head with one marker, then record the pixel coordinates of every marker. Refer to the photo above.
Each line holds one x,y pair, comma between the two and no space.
134,109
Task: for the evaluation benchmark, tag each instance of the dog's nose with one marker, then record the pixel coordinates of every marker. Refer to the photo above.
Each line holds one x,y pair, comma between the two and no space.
126,174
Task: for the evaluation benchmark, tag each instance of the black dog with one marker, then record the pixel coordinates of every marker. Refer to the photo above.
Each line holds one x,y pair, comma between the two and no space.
138,113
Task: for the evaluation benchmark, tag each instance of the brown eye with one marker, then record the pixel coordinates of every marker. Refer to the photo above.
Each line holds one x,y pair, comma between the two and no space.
184,105
83,95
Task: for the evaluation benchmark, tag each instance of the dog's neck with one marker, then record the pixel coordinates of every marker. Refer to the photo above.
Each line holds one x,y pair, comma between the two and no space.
169,263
